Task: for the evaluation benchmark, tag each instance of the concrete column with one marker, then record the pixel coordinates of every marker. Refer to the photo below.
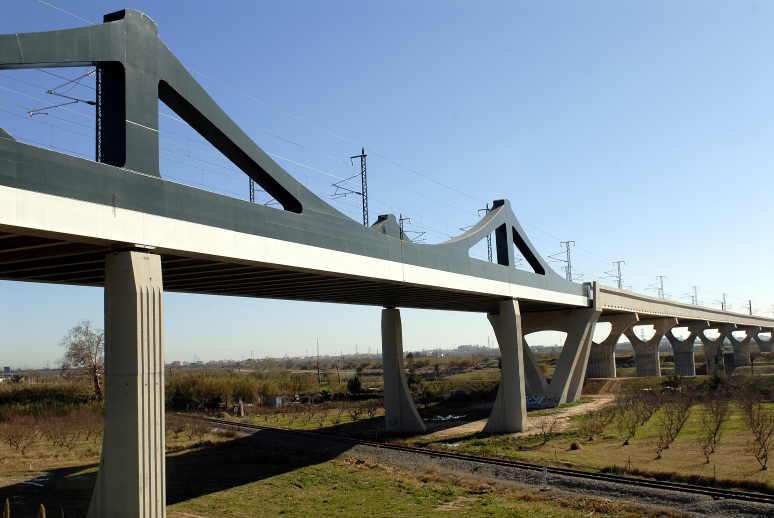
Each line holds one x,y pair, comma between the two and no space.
711,346
602,355
742,347
646,360
765,346
534,379
130,481
567,380
400,413
682,350
510,409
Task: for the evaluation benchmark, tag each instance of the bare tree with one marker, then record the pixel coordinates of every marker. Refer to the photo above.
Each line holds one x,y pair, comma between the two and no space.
295,412
84,357
714,413
323,412
759,419
373,406
355,410
546,427
628,423
591,424
675,413
175,425
336,416
20,432
670,421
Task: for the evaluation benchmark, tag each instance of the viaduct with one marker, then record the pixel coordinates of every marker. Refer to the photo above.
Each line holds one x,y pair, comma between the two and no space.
116,223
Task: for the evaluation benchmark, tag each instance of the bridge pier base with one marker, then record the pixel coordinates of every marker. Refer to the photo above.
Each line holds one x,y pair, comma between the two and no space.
766,346
130,481
646,359
682,350
711,346
510,409
567,381
602,355
742,347
400,413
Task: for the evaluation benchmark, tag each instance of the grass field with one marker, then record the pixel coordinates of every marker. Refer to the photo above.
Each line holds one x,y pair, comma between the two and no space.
607,451
229,475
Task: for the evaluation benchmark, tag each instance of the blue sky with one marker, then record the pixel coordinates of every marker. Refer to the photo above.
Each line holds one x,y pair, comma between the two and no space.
642,131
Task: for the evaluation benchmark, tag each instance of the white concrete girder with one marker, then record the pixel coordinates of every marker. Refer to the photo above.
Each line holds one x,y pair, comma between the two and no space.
510,408
646,359
130,480
682,350
400,413
601,362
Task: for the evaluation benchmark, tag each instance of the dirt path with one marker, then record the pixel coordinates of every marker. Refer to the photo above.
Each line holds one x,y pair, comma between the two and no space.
563,417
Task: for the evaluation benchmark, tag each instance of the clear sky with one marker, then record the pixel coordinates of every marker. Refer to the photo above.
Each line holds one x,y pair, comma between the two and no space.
643,131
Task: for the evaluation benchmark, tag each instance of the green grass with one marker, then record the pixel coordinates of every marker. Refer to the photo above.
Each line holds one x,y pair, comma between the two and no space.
234,476
607,452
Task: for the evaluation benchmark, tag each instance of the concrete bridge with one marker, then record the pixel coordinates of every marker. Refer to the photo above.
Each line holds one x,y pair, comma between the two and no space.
116,223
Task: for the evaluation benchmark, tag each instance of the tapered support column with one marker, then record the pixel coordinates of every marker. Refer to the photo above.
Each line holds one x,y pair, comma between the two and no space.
567,381
765,346
742,347
682,350
646,360
400,412
130,481
602,355
534,379
711,346
510,409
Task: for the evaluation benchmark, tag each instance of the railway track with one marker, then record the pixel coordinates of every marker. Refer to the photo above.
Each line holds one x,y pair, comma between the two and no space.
716,493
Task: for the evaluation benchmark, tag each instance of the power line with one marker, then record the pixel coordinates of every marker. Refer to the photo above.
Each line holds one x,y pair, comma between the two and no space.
71,14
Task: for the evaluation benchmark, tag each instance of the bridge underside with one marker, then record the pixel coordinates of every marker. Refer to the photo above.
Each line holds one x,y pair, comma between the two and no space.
32,258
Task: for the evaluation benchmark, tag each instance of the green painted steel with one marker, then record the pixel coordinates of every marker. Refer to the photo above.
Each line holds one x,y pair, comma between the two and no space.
137,70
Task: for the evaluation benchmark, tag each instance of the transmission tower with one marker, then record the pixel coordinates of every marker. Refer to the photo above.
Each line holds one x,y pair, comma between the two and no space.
568,268
252,190
659,286
364,192
617,272
695,295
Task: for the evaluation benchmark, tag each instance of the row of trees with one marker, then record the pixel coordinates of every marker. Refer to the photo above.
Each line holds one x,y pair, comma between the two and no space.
66,431
669,410
333,413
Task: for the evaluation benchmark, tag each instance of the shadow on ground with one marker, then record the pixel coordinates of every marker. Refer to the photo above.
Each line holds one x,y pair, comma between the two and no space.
198,471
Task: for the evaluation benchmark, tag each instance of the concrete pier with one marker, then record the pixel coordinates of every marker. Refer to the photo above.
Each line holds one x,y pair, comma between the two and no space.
765,346
130,481
602,355
682,350
742,347
510,409
400,413
567,381
646,359
711,346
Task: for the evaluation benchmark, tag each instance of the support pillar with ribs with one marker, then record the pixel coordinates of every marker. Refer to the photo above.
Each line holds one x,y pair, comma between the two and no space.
131,476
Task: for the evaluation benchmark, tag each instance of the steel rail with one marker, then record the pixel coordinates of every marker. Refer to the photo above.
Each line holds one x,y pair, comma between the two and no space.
715,493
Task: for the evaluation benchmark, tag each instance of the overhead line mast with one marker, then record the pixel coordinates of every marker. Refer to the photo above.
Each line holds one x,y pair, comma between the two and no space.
362,157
